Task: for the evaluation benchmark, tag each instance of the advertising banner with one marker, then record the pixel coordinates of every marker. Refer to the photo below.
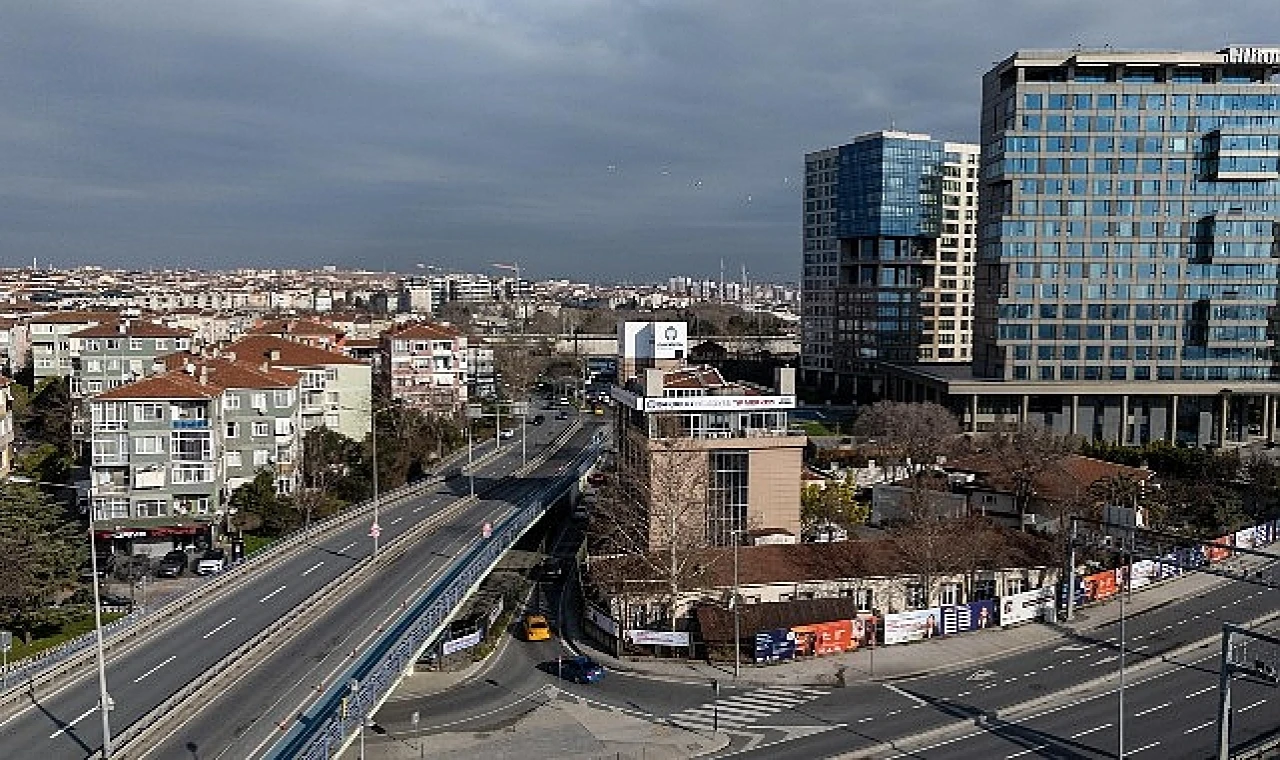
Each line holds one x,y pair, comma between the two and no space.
1143,573
1029,605
1169,568
825,638
459,644
916,625
1100,586
658,638
974,616
775,646
1220,549
1262,535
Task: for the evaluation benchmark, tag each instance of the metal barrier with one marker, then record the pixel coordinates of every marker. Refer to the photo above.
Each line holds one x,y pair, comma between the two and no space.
331,722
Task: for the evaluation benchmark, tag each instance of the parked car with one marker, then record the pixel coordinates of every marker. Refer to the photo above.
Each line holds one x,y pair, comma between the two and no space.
536,628
173,565
581,670
212,562
108,599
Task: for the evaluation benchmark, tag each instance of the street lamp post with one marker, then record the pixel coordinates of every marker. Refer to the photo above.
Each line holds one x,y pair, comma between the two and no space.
737,620
375,529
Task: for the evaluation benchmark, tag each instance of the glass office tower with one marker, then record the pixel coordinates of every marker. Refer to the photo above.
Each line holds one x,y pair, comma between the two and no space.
889,240
1127,267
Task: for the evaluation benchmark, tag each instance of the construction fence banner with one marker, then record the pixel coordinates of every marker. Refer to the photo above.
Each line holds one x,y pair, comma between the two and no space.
657,638
461,643
1026,606
827,638
916,625
775,646
974,616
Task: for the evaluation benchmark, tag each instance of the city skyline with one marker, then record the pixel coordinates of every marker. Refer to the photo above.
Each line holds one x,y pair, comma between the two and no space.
625,141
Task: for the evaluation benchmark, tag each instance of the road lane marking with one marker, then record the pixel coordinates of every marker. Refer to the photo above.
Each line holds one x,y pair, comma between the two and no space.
348,546
1036,748
219,628
893,712
273,593
1200,727
398,519
902,693
161,665
307,572
1142,749
83,715
1198,692
1105,660
1088,731
1250,707
1151,709
964,694
865,720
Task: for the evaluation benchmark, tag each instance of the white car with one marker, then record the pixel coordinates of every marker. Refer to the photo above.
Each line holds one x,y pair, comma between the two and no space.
506,433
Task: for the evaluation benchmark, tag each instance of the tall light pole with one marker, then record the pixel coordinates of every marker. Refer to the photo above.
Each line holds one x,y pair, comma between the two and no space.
104,699
737,622
522,315
375,530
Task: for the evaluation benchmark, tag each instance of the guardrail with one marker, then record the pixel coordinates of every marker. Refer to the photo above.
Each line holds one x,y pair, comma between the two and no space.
331,722
57,661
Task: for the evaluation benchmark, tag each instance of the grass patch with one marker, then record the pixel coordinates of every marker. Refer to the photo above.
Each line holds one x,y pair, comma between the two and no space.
491,639
253,544
815,428
69,631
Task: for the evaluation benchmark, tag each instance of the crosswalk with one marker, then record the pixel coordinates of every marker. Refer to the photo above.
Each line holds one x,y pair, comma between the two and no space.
744,709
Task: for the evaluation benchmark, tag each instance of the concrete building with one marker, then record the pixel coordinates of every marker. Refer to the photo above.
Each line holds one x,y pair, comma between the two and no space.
1127,275
168,449
335,390
890,236
110,354
426,365
51,339
688,436
6,426
15,345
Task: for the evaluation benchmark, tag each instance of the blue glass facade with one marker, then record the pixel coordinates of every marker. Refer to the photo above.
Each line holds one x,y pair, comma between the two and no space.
889,187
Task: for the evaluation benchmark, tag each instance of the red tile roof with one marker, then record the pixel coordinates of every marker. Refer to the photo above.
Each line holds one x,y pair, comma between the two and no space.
135,328
171,385
1065,479
255,348
424,331
293,327
75,317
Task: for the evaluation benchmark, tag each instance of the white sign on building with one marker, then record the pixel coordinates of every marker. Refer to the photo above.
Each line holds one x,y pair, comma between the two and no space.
653,340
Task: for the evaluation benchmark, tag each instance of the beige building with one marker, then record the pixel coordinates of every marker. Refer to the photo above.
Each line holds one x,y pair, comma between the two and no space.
707,459
6,427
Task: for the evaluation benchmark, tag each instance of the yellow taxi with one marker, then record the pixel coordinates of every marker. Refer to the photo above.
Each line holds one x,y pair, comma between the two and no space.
536,628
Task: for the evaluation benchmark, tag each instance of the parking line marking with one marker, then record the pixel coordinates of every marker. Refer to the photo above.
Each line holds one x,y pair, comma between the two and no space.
230,620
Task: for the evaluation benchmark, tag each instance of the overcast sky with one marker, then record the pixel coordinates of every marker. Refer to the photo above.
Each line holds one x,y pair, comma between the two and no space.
595,139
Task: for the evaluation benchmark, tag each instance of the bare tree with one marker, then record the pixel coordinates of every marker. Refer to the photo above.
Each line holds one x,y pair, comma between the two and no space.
914,434
1025,453
654,513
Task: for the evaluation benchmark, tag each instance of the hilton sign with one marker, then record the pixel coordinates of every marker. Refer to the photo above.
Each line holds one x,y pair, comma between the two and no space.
1251,55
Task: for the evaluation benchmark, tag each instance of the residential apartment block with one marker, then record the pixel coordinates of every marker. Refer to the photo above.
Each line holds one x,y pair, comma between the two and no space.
426,365
6,426
113,353
168,450
1127,280
890,230
50,336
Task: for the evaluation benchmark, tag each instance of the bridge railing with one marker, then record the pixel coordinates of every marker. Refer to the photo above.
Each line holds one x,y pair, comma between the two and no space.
330,723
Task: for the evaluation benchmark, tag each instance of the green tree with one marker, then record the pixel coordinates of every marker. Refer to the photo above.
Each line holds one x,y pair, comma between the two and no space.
258,501
836,503
40,550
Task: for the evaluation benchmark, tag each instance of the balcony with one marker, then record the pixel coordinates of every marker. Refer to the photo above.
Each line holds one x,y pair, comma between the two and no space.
191,424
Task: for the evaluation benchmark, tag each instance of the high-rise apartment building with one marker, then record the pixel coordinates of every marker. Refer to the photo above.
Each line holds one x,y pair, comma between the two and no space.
1127,275
890,224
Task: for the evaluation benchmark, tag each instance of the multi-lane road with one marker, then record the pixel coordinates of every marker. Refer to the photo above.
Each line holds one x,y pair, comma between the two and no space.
1058,700
66,723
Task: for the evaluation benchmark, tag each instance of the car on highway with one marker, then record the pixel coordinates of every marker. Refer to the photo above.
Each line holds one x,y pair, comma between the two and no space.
538,419
213,561
562,415
581,670
173,564
536,628
507,433
564,401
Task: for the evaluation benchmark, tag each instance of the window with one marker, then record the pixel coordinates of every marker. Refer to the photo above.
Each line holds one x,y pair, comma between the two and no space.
233,430
726,496
861,596
135,344
282,399
231,401
190,445
261,457
147,411
110,509
915,597
261,428
1014,586
150,508
259,401
234,459
148,444
284,426
950,593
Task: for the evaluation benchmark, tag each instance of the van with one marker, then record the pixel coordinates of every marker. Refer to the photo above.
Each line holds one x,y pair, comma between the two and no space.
213,561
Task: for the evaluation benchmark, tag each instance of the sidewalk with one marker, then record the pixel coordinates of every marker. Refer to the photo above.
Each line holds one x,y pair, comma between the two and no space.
887,663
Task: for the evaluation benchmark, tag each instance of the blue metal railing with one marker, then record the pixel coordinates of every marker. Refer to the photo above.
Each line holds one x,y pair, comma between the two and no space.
325,726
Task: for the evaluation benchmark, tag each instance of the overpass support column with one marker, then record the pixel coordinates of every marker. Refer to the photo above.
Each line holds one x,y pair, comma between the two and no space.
1268,417
1225,412
973,413
1075,414
1173,420
1024,413
1123,434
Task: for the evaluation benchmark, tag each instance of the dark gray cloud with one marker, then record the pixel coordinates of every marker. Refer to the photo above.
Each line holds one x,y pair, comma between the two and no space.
603,139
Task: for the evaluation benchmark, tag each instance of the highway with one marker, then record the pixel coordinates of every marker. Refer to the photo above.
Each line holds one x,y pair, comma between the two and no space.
65,723
1046,701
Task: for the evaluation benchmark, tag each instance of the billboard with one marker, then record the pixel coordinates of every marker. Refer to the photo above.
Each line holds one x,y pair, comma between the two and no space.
1220,549
1028,605
653,340
826,638
776,645
716,403
601,620
658,638
1100,586
465,642
1143,573
901,627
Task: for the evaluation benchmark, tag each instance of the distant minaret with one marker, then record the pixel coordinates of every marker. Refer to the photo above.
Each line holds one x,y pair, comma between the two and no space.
742,297
721,293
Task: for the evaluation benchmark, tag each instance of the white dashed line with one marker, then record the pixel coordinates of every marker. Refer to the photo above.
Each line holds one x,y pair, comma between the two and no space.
313,567
1250,707
83,715
1142,749
1198,692
1088,731
219,628
1152,709
1036,748
273,593
1201,727
161,665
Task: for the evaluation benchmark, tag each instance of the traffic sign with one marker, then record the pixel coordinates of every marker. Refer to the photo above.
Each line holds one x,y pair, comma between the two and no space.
6,641
375,531
487,530
414,718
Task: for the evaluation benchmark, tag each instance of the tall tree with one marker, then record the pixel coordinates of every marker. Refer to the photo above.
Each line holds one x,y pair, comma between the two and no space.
1023,454
835,503
915,435
258,499
40,549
